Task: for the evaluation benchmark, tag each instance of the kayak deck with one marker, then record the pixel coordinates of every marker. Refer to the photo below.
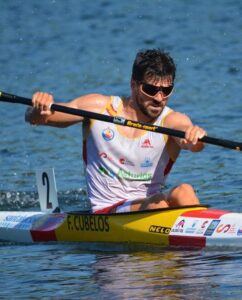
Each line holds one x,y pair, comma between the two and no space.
192,226
152,227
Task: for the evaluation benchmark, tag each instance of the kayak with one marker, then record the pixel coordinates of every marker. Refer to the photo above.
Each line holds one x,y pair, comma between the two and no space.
187,227
192,227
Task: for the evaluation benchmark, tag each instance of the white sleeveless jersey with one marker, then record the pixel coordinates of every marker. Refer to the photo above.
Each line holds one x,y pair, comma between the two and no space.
118,167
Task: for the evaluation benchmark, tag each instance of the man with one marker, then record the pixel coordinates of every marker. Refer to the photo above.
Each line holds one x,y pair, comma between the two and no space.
127,167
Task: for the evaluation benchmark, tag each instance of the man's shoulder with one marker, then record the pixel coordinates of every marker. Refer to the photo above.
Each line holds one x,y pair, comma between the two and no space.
175,117
93,102
95,97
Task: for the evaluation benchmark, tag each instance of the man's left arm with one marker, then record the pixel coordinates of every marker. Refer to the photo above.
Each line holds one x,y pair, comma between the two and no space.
193,132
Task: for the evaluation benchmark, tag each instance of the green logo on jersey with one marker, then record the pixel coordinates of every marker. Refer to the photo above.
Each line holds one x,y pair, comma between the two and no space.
134,176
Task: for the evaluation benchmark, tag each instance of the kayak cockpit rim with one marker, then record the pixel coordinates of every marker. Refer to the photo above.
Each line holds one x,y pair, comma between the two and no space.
86,212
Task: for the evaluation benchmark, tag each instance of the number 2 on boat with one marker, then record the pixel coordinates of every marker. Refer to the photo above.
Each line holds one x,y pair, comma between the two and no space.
47,191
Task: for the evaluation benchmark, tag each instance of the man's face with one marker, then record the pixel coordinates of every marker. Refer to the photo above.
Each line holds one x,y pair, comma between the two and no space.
151,95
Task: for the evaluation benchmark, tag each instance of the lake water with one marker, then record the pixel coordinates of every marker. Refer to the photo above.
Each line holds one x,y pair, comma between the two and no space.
69,48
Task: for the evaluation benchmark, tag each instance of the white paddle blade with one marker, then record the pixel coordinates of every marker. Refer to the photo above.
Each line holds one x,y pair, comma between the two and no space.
47,191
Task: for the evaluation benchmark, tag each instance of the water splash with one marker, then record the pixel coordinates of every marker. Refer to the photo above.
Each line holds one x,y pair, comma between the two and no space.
69,200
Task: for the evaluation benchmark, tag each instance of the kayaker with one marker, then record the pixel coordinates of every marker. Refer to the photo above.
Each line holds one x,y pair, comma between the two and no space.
126,168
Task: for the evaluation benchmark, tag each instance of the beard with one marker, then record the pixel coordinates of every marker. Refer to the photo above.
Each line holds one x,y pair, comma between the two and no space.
151,109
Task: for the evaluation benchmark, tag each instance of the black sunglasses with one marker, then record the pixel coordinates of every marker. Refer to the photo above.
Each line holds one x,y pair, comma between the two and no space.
152,90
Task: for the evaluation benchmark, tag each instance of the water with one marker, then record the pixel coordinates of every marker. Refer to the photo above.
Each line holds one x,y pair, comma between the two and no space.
67,272
69,48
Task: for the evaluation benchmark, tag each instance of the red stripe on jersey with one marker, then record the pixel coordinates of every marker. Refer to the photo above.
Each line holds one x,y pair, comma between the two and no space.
168,167
84,151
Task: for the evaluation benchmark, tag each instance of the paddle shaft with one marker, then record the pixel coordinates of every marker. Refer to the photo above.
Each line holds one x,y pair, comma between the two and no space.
5,97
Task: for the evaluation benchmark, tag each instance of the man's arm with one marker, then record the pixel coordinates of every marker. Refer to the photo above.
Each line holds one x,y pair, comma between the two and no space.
182,122
40,113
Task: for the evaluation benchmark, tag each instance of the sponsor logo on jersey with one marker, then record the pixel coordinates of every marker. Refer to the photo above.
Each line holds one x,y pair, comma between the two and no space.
108,134
134,176
105,171
146,163
105,155
146,144
125,161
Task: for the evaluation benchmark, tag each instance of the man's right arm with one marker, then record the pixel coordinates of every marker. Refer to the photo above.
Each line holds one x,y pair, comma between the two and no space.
40,113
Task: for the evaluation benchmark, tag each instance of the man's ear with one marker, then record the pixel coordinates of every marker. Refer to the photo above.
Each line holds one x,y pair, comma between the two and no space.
133,83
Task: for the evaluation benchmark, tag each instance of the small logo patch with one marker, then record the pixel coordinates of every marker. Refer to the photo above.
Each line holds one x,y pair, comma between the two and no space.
108,134
146,144
211,228
146,163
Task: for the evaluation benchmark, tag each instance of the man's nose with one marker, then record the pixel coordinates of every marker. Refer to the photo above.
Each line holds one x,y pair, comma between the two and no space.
159,96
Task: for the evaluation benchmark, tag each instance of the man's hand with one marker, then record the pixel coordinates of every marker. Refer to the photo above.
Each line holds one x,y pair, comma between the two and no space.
192,135
42,102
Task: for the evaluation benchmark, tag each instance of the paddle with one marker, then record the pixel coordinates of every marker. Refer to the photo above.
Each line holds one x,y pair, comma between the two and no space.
122,121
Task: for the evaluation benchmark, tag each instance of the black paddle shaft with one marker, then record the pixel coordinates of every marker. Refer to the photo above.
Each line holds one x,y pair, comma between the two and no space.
5,97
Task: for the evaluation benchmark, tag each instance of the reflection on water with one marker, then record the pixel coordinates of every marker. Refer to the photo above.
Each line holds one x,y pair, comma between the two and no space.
66,270
171,275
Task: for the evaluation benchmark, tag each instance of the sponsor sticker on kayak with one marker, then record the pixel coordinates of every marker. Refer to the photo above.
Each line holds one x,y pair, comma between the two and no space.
229,225
211,228
239,232
159,229
16,220
190,226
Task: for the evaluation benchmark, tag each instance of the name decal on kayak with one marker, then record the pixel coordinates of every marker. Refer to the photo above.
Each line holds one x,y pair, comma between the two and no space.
159,229
88,223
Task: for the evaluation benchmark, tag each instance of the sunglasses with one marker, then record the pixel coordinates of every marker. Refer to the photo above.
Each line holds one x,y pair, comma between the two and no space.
152,90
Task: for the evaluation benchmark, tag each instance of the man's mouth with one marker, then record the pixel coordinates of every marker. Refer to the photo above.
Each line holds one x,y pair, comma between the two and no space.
155,104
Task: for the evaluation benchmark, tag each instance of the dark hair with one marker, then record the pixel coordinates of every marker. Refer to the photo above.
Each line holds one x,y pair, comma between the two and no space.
153,64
